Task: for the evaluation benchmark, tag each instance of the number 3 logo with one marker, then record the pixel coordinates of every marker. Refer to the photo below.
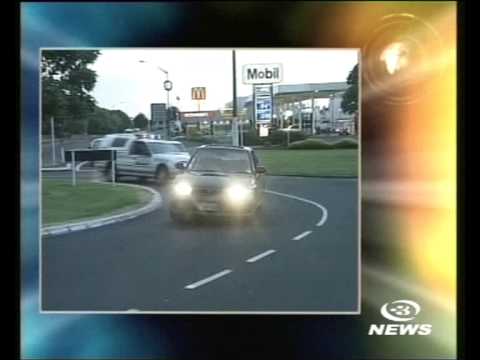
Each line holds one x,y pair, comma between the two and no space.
400,310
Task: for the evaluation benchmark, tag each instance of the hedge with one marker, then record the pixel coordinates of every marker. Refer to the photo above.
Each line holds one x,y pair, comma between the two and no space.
321,144
275,137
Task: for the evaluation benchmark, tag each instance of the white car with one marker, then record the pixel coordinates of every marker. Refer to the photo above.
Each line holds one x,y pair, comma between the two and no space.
116,140
149,158
110,141
97,143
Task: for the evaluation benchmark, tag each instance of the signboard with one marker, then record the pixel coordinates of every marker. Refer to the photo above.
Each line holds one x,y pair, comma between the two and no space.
75,156
192,115
158,117
263,104
262,73
90,155
199,93
263,131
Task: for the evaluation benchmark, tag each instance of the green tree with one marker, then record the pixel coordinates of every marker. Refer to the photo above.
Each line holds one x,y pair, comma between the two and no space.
66,85
103,121
350,97
140,121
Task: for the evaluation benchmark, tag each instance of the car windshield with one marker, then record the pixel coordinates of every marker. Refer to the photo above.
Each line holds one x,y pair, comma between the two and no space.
221,160
119,142
160,148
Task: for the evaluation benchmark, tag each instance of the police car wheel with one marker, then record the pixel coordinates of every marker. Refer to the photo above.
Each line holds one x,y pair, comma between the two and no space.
161,175
108,173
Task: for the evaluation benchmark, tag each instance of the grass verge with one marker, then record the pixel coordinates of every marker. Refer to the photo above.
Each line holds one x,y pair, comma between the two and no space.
327,163
64,203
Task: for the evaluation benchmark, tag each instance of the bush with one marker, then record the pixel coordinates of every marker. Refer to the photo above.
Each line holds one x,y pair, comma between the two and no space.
280,137
251,138
346,144
316,144
310,144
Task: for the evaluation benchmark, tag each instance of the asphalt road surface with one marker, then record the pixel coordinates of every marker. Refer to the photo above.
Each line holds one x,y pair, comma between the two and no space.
299,255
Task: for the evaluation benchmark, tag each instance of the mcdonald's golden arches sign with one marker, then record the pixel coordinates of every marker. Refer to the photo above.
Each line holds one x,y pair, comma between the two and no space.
199,93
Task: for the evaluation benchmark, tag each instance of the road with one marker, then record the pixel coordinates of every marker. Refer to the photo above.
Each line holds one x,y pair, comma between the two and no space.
282,261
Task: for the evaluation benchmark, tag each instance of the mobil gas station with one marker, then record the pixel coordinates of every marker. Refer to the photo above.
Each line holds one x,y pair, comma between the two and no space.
312,108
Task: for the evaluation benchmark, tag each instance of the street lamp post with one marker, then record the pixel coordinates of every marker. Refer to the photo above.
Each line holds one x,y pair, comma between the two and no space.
167,85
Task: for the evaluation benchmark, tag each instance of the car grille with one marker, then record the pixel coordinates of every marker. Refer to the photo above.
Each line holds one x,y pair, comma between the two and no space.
207,191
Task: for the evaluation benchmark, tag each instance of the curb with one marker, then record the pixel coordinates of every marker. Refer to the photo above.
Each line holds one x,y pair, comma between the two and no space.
154,204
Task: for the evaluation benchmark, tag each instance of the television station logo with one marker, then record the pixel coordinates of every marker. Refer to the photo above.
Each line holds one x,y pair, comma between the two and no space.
401,312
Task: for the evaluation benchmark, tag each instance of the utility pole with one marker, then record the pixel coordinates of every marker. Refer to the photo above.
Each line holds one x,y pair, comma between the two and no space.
234,103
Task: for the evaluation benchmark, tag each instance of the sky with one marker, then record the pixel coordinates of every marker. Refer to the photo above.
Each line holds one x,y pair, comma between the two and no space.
125,83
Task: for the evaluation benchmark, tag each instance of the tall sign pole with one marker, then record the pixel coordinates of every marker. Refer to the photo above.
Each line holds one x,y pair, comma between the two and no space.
262,77
199,94
167,85
234,103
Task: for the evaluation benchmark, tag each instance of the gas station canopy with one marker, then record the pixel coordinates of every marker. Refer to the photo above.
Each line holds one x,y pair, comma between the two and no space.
300,92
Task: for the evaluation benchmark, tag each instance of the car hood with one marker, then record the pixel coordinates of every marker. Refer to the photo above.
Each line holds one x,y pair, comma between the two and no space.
215,180
175,157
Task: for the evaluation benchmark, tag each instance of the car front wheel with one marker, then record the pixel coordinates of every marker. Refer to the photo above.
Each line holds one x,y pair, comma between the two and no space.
108,173
161,176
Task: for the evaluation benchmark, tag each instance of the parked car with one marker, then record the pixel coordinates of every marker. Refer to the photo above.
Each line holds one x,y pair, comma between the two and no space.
218,180
149,158
342,132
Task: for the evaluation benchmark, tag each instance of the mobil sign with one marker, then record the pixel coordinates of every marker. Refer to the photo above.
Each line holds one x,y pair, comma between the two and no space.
262,73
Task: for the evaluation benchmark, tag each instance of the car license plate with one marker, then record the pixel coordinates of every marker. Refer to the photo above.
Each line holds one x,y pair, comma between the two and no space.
208,207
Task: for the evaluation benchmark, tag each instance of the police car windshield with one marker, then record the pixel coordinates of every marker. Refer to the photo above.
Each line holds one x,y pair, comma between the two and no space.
160,148
222,161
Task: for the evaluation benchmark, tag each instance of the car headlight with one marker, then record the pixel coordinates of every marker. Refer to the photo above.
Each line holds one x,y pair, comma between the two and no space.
182,189
238,193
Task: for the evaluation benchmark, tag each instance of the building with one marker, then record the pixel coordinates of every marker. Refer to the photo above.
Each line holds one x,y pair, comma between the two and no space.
299,105
201,121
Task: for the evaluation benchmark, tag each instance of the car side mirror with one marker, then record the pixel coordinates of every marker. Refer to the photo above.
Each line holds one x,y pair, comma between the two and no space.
182,165
260,170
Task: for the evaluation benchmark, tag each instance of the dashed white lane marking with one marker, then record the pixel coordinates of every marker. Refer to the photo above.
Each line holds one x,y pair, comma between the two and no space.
302,235
323,208
208,279
259,256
